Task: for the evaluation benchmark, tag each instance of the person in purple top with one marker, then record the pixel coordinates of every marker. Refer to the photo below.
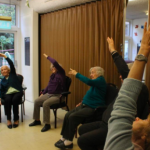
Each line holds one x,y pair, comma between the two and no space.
50,95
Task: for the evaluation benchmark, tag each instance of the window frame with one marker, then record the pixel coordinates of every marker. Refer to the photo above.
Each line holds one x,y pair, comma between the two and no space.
129,39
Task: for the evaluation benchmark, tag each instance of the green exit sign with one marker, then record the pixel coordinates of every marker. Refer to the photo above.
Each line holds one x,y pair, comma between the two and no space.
5,24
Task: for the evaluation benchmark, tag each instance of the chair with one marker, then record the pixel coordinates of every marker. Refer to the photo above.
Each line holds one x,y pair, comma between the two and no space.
111,94
22,100
63,100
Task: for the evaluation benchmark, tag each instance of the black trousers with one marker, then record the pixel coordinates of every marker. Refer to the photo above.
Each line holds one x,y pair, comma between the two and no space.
73,118
92,135
13,100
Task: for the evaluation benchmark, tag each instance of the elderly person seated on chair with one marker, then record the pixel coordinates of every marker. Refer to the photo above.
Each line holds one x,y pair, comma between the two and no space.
94,97
51,95
11,92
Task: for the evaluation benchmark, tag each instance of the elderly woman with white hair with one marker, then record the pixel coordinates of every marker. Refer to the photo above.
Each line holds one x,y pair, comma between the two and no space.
93,98
11,92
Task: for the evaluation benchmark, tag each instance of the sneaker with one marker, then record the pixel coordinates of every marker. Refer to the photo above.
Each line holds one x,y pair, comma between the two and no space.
34,123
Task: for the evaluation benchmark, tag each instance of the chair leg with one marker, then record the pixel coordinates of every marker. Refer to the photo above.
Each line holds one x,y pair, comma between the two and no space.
5,110
67,108
0,113
21,113
23,108
76,132
55,115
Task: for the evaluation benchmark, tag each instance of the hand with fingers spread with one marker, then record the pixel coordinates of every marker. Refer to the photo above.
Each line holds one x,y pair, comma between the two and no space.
111,44
145,43
45,55
73,72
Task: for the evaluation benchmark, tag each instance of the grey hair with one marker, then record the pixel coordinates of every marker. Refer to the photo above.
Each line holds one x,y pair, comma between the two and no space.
5,66
99,70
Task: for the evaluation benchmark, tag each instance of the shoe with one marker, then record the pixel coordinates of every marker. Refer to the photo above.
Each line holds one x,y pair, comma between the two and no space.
58,142
15,125
9,126
34,123
63,146
46,127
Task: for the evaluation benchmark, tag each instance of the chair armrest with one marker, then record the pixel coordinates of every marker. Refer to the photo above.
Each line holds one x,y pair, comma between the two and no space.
65,93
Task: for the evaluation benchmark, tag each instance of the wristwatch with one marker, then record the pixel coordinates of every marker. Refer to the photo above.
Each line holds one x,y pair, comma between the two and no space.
141,57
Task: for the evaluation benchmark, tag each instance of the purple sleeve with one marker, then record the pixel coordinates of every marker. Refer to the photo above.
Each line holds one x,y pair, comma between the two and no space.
45,90
55,63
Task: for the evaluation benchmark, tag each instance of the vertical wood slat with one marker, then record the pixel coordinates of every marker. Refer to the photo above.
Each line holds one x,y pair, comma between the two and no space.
76,38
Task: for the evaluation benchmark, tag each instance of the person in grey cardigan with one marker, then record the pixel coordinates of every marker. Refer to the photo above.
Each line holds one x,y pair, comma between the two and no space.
124,131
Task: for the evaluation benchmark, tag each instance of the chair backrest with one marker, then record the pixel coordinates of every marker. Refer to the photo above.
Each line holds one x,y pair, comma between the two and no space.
68,83
111,93
20,77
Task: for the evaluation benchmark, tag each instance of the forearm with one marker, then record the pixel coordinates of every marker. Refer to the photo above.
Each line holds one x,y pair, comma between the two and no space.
12,68
45,90
138,67
121,65
87,80
56,64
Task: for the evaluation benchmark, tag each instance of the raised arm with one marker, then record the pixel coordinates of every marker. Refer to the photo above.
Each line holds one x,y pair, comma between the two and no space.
90,82
118,60
55,63
120,124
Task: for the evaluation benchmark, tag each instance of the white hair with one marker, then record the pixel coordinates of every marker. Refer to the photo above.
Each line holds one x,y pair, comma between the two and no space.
99,70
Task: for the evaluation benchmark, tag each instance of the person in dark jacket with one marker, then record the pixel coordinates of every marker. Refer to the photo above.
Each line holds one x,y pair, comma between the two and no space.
93,135
11,92
50,95
143,98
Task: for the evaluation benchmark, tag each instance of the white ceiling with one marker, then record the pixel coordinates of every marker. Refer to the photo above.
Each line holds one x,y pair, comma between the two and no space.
43,6
137,9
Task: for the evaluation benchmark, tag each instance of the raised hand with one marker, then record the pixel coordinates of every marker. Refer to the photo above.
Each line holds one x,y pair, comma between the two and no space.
73,72
3,55
45,55
111,44
145,43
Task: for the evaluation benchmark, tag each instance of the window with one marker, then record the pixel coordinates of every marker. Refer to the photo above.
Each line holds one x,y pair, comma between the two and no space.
128,39
127,29
8,10
6,47
126,51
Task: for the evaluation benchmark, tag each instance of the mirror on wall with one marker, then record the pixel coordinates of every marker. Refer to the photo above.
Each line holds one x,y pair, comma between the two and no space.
136,16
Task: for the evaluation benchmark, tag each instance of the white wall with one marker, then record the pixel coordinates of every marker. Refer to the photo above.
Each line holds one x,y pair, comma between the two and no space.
29,28
136,39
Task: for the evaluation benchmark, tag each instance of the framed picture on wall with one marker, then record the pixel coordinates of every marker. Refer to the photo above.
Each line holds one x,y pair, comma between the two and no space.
27,51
